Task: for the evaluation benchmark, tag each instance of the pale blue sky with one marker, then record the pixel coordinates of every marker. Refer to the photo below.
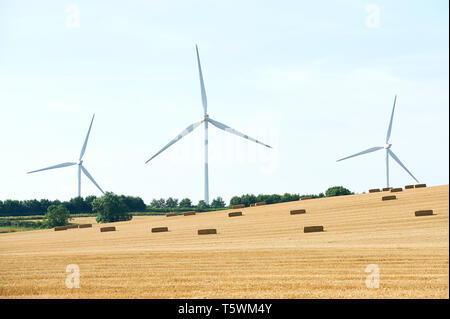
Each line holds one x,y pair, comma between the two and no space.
314,79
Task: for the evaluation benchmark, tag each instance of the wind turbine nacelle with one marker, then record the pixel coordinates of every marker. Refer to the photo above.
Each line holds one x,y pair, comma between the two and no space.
387,146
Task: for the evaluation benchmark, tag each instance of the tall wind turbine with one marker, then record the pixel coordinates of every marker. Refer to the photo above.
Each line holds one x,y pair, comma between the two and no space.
387,146
206,120
81,168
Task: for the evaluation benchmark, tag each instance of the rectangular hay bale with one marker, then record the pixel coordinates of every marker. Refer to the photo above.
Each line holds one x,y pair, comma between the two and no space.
260,203
387,189
84,225
189,213
391,197
234,214
238,206
105,229
420,185
374,190
171,214
207,231
159,229
428,212
305,198
298,211
409,186
312,229
396,190
58,228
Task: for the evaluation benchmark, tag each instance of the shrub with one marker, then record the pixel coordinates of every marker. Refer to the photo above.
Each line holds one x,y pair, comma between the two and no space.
337,191
185,203
57,215
202,204
218,203
110,208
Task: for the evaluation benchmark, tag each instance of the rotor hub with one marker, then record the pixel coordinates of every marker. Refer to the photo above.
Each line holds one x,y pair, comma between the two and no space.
387,146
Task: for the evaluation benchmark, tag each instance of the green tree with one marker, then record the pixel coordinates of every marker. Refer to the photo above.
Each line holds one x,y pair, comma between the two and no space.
134,204
218,203
158,203
248,199
185,203
235,200
202,204
337,191
57,215
171,202
89,201
77,205
110,208
154,203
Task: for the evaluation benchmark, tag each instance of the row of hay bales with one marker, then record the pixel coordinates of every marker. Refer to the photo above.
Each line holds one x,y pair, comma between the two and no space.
58,228
427,212
184,214
319,228
396,189
199,232
307,229
238,206
102,229
263,203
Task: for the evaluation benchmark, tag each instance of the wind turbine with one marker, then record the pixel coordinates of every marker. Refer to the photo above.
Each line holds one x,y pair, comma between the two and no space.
206,120
81,168
387,146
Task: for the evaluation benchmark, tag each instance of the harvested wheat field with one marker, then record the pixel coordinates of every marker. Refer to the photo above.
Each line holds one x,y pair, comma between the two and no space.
262,254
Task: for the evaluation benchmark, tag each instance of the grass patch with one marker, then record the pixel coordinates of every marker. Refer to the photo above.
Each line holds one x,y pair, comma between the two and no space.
13,229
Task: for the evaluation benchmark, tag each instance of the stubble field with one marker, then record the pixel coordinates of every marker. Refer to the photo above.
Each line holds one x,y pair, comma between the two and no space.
262,254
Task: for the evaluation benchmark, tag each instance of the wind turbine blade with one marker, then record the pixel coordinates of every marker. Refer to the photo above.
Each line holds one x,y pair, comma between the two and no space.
91,178
401,164
53,167
202,84
370,150
185,132
390,122
233,131
86,140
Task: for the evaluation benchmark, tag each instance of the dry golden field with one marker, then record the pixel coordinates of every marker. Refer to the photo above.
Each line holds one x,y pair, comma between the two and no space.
262,254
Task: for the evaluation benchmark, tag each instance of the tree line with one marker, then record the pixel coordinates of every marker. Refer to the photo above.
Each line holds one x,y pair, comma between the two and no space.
172,203
75,205
128,204
249,199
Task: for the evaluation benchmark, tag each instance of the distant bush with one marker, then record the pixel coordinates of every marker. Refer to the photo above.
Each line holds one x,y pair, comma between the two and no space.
110,208
21,223
76,205
337,191
57,215
218,203
202,204
185,203
269,199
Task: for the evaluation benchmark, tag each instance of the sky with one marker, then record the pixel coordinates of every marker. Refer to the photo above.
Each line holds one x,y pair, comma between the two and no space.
316,80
